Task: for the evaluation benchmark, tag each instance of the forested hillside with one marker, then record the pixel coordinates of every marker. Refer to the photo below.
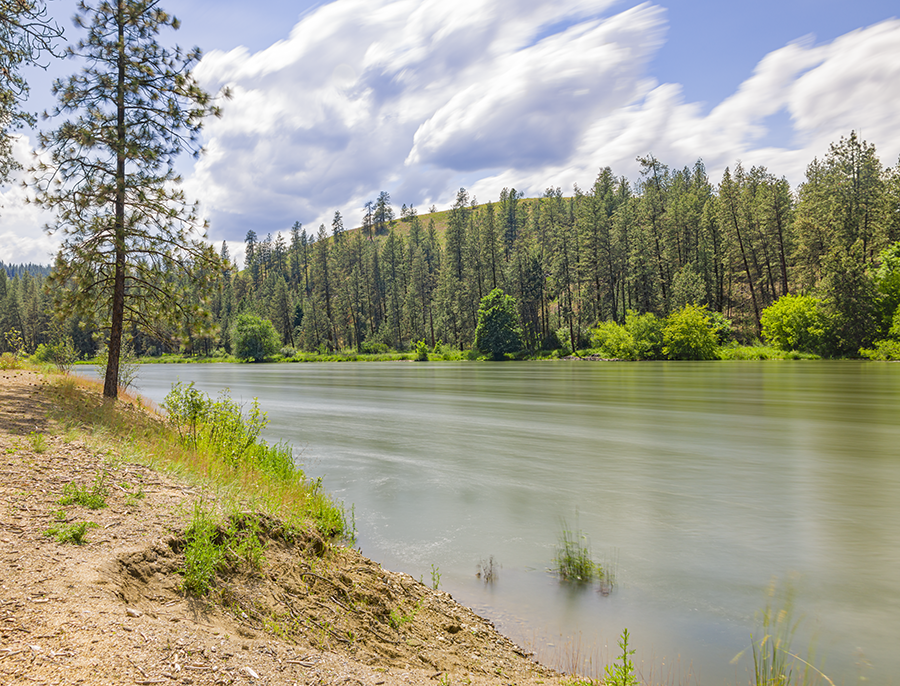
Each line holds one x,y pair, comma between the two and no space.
669,239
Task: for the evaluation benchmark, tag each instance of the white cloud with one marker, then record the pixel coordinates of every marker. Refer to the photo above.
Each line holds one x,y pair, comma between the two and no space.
22,236
421,97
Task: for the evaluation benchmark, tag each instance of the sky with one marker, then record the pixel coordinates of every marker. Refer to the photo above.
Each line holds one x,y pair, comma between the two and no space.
337,101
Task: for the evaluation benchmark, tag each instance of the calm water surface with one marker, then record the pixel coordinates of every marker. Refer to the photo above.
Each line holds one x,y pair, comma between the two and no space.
697,482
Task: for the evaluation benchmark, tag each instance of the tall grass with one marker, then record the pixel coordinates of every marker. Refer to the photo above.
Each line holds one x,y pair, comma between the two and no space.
211,442
775,661
573,561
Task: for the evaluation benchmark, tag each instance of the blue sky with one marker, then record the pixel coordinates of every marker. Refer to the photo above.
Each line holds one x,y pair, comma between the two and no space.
337,101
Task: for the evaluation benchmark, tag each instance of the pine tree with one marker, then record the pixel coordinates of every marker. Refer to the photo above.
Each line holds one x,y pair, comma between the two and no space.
26,34
129,231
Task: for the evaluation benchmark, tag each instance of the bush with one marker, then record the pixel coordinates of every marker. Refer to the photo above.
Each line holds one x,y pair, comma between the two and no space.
497,332
688,335
889,348
613,340
794,322
253,338
647,331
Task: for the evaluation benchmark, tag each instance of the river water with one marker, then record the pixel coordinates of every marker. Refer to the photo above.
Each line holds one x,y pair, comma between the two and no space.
698,484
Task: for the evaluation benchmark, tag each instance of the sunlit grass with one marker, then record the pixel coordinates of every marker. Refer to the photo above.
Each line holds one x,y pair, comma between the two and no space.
128,429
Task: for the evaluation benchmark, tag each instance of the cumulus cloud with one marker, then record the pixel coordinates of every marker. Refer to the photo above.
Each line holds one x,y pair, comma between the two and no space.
421,97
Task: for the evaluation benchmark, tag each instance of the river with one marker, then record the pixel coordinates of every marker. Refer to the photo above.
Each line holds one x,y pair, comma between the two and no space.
698,484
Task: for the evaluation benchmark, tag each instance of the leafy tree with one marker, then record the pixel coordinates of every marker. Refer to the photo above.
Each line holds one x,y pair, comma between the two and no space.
887,283
498,331
253,338
26,32
132,243
688,335
794,322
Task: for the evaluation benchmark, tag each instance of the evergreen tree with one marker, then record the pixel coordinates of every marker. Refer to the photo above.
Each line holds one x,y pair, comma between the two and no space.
110,177
26,34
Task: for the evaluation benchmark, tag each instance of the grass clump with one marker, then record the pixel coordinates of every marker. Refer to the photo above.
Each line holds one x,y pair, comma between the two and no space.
573,561
75,533
38,442
92,497
775,661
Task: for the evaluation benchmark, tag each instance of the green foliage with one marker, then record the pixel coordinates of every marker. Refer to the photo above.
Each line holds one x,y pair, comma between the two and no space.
26,33
794,322
647,331
761,352
253,338
421,351
75,533
497,332
688,335
621,672
231,440
202,555
212,545
573,560
887,283
640,338
887,348
614,341
92,497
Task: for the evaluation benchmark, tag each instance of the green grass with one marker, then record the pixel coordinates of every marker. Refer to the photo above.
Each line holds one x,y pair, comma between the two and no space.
573,560
92,497
38,442
214,444
75,533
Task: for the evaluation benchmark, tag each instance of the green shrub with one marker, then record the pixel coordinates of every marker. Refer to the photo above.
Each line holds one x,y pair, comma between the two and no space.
688,335
253,338
622,674
230,438
888,348
202,555
647,331
794,322
614,340
421,352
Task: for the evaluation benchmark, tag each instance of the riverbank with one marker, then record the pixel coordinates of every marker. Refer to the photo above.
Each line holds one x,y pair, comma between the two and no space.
734,352
112,610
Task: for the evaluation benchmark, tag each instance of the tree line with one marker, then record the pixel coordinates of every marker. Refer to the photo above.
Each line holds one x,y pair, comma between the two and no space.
670,239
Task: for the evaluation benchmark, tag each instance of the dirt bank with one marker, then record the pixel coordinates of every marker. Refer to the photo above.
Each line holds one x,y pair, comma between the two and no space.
111,611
